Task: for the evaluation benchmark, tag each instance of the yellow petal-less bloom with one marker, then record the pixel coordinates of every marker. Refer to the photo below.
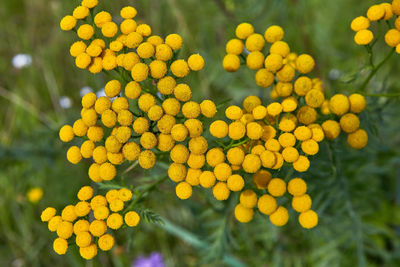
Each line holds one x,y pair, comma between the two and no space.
349,123
301,203
358,139
360,23
243,214
221,191
183,190
77,48
339,104
83,239
305,63
234,46
106,242
74,155
231,63
80,12
392,37
208,108
109,29
375,12
88,252
128,12
363,37
66,133
90,3
244,30
85,31
267,204
280,217
97,228
48,214
132,218
83,60
127,26
158,69
357,103
196,62
180,68
280,48
297,187
140,72
174,41
308,219
115,221
255,42
274,33
277,187
60,246
67,23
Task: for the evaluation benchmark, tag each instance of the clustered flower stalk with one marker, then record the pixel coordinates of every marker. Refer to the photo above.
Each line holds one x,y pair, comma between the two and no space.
260,151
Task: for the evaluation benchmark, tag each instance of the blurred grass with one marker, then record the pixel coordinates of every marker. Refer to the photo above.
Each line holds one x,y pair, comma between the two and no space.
358,207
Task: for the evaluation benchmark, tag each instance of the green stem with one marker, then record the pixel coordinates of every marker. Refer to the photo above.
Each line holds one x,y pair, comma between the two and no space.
374,71
382,95
148,189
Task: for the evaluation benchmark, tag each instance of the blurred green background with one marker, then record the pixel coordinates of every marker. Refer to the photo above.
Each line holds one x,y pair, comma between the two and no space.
356,193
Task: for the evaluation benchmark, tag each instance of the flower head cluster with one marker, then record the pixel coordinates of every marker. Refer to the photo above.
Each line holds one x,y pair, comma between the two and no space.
150,86
259,138
90,220
376,13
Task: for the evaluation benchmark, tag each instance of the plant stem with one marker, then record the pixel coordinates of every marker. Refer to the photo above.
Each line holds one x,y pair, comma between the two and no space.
382,95
374,70
148,189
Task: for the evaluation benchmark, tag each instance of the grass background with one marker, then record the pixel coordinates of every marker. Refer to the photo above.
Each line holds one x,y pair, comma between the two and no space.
356,193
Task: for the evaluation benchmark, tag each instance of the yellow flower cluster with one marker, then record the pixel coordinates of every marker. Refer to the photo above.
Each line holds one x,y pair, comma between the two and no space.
133,136
385,11
125,47
277,63
89,219
258,138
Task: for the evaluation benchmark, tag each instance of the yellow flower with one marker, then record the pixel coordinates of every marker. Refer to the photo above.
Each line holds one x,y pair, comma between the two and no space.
208,108
66,133
305,63
392,37
302,164
158,69
145,50
274,33
85,31
358,139
144,30
310,147
83,239
248,199
174,41
115,221
251,163
183,190
179,132
180,68
147,159
97,228
106,242
221,191
77,48
360,23
243,214
163,52
235,182
48,214
133,90
127,26
196,62
375,12
215,156
131,218
280,217
101,18
65,229
171,106
363,37
90,3
297,187
277,187
60,246
128,12
67,23
88,252
254,130
301,203
83,60
255,42
267,204
234,46
349,123
308,219
140,72
74,155
231,63
273,62
280,48
80,12
244,30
